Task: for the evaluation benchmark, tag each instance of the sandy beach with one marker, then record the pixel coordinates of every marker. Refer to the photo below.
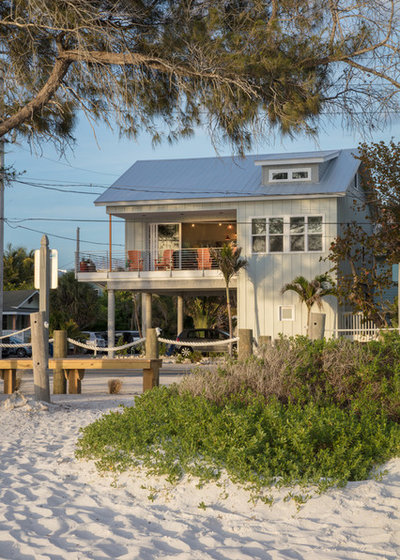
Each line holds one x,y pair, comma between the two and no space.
54,507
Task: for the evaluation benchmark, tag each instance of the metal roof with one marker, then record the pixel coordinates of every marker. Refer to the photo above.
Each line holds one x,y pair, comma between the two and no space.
226,177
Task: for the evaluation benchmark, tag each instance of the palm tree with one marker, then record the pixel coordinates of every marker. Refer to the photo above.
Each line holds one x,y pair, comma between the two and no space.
229,262
311,292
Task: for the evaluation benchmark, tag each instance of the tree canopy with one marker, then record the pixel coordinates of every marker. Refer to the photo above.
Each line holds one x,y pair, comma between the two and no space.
366,248
73,302
311,292
167,66
18,268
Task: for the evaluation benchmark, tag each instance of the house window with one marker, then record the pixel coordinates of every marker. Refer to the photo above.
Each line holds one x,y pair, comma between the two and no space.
279,176
259,235
293,234
303,174
286,313
275,235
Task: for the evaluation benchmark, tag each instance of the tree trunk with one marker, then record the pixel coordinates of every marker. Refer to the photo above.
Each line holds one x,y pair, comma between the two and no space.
228,306
308,320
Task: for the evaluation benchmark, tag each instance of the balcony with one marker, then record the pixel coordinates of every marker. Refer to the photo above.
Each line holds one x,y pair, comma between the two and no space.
165,271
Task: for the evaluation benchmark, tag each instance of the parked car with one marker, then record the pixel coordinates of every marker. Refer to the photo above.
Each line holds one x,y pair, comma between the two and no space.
127,338
208,336
19,351
94,339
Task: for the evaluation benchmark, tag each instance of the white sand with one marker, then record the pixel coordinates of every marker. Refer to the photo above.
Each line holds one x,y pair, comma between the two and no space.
55,507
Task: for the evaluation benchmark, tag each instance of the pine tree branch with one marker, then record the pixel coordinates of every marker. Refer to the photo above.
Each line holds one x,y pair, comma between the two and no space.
58,73
136,59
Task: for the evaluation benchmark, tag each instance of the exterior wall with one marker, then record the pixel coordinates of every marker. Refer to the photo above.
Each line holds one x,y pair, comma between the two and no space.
259,286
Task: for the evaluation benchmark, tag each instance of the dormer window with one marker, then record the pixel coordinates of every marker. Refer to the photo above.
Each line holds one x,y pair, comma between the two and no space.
287,175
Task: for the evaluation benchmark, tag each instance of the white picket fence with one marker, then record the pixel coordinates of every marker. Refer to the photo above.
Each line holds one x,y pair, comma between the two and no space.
355,327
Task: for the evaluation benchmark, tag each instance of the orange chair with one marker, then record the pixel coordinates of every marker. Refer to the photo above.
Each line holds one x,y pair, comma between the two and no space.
167,261
204,261
135,261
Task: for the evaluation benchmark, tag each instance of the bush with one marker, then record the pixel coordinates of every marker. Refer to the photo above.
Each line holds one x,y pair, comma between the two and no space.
173,434
352,375
114,386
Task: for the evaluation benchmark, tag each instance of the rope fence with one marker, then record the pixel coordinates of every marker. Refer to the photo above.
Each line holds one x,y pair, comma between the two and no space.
96,348
198,344
15,333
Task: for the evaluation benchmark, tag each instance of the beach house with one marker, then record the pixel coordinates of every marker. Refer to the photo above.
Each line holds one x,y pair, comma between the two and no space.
284,210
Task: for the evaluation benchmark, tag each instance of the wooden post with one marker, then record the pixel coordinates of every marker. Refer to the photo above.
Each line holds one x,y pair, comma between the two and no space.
150,376
40,345
59,351
74,377
264,341
245,343
10,380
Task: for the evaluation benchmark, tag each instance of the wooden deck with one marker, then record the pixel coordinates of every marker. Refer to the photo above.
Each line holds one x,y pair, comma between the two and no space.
74,369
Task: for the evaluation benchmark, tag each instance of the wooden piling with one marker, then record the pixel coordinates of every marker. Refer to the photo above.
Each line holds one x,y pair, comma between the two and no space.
59,351
245,343
150,376
40,348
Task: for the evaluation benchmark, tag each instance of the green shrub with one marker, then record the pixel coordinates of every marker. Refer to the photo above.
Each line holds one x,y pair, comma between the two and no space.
353,375
257,442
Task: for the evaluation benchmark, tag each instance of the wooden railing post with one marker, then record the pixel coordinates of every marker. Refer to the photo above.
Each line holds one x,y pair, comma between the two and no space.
151,375
245,343
59,351
40,350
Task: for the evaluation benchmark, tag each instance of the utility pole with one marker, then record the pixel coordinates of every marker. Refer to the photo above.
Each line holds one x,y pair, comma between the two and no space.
78,249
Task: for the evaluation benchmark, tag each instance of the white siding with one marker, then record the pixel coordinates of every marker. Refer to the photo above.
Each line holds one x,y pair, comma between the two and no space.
261,283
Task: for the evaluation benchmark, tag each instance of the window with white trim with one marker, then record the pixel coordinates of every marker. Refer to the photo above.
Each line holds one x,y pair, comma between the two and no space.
291,234
286,175
286,313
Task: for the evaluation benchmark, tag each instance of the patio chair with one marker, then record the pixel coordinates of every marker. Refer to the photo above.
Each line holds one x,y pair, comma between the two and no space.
166,262
135,261
204,261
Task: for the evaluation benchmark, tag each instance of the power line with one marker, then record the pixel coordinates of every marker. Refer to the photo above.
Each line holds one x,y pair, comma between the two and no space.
71,166
59,236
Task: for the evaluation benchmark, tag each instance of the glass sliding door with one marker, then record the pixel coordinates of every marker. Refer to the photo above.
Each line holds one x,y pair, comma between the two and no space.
165,244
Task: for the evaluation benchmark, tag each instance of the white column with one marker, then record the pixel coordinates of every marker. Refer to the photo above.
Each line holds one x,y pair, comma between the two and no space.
146,312
179,314
111,321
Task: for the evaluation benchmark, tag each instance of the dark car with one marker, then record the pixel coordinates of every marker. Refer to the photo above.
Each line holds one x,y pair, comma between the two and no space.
207,336
128,337
19,351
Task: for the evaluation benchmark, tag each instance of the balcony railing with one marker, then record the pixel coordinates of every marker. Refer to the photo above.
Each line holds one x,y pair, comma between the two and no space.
137,261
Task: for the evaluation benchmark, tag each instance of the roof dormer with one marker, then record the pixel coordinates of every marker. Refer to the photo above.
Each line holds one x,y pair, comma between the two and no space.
304,168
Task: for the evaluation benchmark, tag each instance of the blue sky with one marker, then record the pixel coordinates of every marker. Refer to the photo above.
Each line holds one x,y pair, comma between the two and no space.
98,159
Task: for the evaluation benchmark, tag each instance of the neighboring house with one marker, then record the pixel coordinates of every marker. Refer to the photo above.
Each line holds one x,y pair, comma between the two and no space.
17,306
284,211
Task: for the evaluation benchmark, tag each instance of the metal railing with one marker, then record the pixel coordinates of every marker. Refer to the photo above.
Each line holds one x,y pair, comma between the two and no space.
137,260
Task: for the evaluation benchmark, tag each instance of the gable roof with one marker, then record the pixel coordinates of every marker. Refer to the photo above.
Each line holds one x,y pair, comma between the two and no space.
15,300
227,177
